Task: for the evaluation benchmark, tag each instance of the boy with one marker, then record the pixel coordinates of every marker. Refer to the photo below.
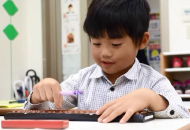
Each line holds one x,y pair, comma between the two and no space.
117,83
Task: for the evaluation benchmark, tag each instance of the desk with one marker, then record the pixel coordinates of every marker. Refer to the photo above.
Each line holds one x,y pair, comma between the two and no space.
5,110
157,124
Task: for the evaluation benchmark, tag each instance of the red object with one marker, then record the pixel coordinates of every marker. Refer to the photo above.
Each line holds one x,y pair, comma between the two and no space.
26,93
188,61
44,124
177,62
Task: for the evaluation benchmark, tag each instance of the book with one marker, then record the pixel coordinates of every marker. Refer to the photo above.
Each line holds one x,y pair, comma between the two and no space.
10,104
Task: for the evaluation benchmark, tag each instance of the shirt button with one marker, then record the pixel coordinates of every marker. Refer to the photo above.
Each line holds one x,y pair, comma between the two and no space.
112,89
172,112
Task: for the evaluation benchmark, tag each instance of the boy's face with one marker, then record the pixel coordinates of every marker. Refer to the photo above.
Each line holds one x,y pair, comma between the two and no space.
114,56
70,9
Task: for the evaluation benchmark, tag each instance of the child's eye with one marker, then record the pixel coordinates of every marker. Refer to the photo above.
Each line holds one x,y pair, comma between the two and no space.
97,44
116,44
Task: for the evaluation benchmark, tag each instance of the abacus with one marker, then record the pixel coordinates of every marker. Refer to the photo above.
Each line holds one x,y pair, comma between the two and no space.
72,115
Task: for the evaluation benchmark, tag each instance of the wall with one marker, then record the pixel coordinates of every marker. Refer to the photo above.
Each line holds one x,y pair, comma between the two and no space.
84,37
179,26
26,47
175,25
154,5
90,58
34,24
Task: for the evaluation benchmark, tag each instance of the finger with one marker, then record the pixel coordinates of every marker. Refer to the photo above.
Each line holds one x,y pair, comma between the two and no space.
61,100
107,112
49,94
126,117
104,107
137,113
35,97
36,93
56,96
42,94
118,111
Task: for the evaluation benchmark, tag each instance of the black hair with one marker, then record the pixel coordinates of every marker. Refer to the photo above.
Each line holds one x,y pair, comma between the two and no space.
118,18
70,6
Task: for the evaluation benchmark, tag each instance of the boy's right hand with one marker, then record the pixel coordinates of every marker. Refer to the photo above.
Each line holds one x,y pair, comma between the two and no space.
47,90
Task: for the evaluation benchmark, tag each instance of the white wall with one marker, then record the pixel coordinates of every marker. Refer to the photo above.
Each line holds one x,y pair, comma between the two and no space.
90,58
4,54
154,5
179,29
175,31
26,47
34,24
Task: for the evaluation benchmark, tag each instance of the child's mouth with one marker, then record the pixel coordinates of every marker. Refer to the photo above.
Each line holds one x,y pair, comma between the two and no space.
107,63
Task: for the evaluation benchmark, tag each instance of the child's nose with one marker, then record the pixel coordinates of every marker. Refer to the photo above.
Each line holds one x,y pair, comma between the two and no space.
106,53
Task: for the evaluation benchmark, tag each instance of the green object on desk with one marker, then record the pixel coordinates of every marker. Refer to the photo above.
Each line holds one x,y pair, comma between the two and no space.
10,104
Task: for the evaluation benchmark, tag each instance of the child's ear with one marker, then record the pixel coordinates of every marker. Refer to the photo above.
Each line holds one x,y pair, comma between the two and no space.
144,41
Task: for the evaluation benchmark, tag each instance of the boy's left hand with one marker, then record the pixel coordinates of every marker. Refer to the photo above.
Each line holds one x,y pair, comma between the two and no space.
129,104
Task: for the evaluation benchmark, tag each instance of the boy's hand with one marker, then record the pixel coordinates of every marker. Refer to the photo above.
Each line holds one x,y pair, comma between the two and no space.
47,90
131,103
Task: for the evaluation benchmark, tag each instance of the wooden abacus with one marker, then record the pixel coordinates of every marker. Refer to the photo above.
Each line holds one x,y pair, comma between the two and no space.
70,111
72,115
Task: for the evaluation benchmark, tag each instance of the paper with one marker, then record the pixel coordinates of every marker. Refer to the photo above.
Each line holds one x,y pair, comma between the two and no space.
10,104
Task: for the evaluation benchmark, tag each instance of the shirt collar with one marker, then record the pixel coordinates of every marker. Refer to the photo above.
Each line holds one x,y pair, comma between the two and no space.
97,73
131,74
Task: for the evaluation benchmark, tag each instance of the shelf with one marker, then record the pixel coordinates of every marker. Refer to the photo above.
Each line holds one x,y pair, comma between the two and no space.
184,95
175,53
184,69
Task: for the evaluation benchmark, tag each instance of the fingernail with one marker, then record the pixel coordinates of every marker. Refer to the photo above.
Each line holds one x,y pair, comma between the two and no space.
97,112
99,120
104,121
57,107
122,122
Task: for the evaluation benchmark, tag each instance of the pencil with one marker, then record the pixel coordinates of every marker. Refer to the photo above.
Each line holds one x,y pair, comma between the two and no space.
76,92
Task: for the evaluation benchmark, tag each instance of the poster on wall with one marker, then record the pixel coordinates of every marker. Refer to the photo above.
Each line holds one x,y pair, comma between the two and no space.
154,27
153,49
70,26
154,55
186,15
70,34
